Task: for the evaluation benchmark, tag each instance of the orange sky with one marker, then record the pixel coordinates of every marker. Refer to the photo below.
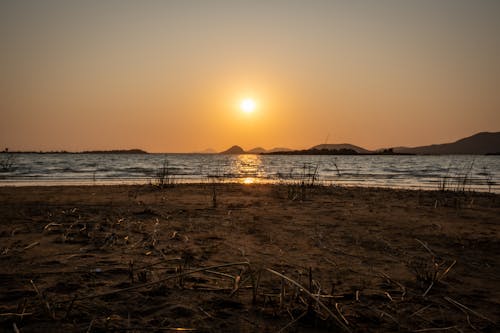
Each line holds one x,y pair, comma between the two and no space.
168,76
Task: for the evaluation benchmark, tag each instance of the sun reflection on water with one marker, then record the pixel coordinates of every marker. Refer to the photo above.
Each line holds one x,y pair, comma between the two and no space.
248,180
247,168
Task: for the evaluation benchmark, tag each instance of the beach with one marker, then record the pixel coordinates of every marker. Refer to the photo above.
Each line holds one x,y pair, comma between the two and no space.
248,258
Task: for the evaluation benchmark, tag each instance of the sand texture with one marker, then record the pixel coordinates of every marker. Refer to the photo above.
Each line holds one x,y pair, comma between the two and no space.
266,258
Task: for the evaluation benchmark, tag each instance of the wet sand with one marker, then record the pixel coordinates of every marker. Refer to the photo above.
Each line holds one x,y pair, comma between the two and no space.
135,258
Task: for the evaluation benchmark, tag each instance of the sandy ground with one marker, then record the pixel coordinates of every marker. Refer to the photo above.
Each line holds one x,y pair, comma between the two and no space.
137,258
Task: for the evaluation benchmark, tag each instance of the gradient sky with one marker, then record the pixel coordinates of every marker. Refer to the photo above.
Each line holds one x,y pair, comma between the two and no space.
167,76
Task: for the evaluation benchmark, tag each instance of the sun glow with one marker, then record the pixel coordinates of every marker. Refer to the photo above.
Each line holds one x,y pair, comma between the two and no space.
248,105
249,181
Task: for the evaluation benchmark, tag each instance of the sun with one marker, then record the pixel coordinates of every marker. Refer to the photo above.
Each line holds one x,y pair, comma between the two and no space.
248,105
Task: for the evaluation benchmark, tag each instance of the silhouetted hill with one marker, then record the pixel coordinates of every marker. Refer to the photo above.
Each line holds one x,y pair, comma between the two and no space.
340,147
279,149
233,150
314,151
257,150
117,151
481,143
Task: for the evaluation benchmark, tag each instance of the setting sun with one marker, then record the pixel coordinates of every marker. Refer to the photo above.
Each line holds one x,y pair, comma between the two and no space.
247,105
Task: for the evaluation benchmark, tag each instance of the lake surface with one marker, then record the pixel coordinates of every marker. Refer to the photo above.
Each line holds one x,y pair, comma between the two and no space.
481,173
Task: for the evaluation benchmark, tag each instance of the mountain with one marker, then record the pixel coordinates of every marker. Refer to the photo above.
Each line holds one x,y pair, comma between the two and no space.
278,150
115,151
257,150
342,146
480,143
233,150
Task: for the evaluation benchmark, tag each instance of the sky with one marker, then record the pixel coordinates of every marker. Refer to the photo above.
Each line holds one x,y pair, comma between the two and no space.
169,76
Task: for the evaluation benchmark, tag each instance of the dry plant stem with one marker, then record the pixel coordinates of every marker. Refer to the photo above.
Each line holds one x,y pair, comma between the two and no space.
468,319
89,329
155,329
426,247
221,274
428,289
255,284
447,271
338,318
11,314
383,313
44,303
460,305
340,313
290,324
23,307
420,310
206,313
14,327
236,284
239,283
328,296
403,288
31,245
52,224
282,293
435,329
159,262
163,280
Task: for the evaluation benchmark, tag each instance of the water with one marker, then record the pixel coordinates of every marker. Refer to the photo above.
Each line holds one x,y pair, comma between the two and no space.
481,173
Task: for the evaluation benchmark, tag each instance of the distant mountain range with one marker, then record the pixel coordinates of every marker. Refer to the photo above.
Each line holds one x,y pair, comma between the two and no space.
342,146
477,144
234,150
258,150
114,151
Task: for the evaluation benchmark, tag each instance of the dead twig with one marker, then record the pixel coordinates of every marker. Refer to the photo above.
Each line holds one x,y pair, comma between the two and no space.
420,310
460,305
446,271
428,289
43,301
403,288
236,285
144,285
434,329
31,245
11,314
339,318
155,329
52,224
337,307
290,324
89,329
206,313
241,283
221,274
426,247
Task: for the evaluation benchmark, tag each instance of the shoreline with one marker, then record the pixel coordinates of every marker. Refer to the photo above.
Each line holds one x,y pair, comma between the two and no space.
246,182
128,256
418,188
